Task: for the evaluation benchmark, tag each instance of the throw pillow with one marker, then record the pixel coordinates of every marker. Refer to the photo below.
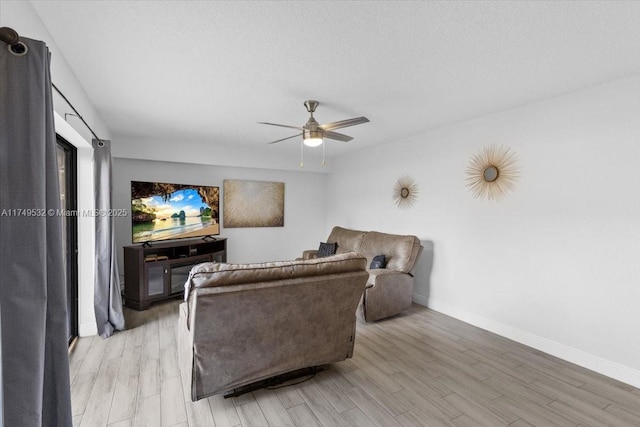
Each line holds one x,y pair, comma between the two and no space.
378,261
327,249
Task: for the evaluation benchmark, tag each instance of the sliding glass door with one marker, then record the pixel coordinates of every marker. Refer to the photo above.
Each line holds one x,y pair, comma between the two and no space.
68,197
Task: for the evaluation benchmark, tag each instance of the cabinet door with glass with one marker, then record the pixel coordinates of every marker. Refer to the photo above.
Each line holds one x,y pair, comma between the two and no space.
156,274
180,272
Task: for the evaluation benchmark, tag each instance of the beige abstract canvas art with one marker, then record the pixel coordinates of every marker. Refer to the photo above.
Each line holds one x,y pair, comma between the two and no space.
253,204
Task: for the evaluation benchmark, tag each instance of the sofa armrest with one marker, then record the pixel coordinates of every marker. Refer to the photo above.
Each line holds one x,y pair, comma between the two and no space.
184,338
388,292
310,254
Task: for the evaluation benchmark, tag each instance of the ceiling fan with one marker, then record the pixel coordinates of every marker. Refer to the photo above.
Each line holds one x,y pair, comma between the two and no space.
314,133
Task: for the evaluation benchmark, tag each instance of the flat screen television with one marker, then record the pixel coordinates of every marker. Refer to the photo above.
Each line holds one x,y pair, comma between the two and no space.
162,211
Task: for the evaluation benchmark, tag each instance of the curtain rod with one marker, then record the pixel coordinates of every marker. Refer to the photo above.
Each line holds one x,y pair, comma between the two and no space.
12,39
76,111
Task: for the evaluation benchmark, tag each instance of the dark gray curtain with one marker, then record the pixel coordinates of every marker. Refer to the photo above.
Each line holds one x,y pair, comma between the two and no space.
35,365
107,298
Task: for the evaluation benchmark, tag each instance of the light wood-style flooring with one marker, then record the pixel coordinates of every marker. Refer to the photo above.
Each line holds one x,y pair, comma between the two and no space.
420,368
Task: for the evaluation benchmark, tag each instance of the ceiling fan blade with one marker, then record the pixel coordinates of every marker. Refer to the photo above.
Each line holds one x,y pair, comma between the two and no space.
282,126
344,123
283,139
337,136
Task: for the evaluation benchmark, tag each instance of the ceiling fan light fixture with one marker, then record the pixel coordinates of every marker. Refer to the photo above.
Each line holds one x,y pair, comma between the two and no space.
312,138
314,134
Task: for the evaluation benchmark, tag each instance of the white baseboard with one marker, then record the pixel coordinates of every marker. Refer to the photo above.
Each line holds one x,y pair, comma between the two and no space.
422,300
586,360
87,329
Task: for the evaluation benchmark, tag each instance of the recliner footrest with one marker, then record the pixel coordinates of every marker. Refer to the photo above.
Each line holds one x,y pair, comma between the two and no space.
277,381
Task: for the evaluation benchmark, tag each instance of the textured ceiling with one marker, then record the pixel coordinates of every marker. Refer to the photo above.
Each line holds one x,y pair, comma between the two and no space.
208,71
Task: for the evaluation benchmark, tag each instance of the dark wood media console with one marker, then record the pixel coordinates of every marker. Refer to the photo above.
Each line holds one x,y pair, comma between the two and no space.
158,272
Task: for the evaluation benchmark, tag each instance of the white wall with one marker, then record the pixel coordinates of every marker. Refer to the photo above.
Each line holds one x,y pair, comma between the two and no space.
554,265
272,157
304,216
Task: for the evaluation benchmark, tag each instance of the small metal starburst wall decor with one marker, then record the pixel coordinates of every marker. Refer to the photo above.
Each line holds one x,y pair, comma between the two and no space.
493,172
405,192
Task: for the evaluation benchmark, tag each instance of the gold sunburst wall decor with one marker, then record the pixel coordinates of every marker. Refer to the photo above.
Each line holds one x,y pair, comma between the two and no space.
405,191
493,172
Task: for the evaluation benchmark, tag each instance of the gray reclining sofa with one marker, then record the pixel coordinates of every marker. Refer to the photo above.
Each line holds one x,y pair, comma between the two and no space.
390,289
243,323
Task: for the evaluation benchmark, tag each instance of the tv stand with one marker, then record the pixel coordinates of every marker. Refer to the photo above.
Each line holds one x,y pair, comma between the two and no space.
159,272
209,237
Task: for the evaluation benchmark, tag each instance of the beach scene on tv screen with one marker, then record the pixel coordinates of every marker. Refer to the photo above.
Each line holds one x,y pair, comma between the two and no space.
173,211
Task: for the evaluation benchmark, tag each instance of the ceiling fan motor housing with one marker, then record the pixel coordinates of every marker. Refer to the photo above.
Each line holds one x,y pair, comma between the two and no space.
312,125
312,134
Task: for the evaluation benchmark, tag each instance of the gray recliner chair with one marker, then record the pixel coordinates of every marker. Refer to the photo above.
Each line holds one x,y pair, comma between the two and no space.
389,290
